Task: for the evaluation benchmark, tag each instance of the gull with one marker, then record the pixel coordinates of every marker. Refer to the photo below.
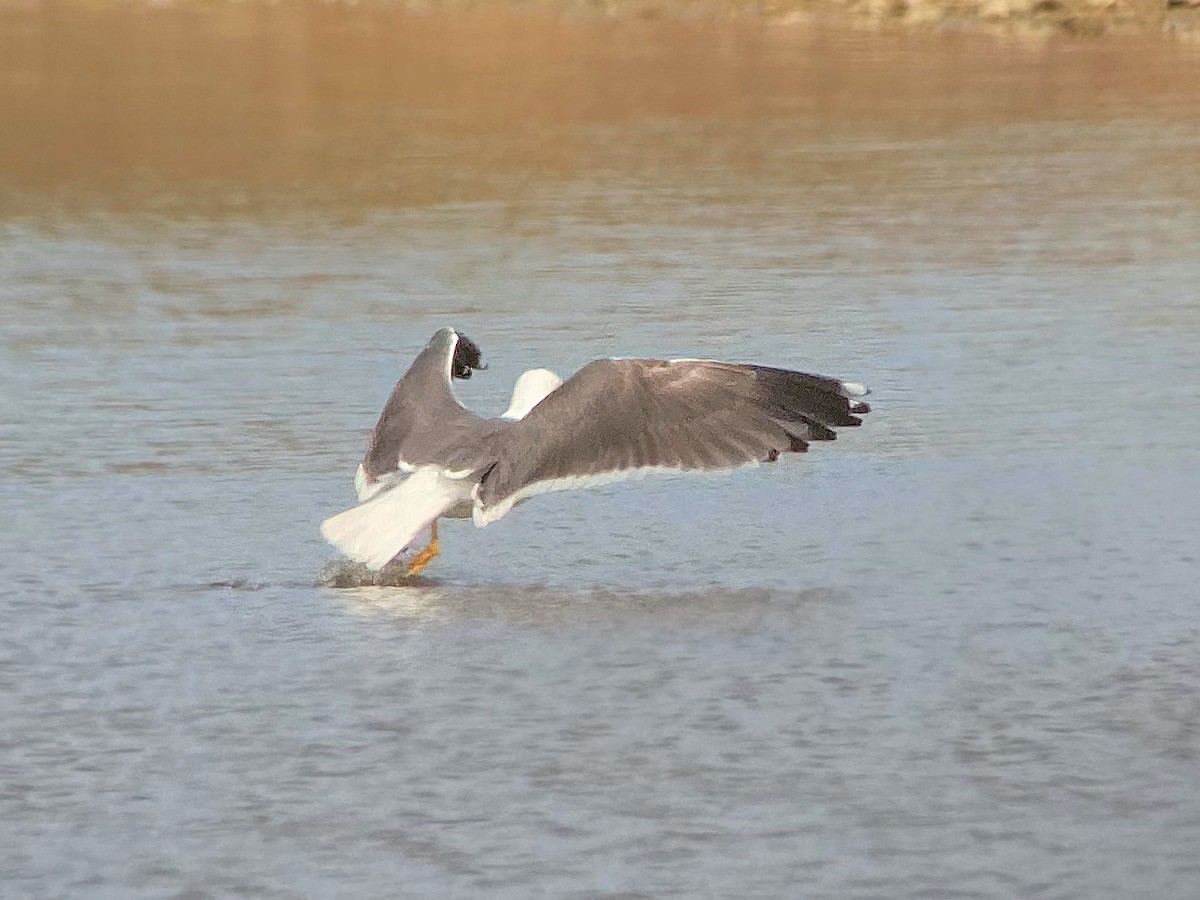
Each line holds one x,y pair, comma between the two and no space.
429,456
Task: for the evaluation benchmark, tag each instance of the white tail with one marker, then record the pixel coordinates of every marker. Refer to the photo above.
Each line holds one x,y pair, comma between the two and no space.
375,531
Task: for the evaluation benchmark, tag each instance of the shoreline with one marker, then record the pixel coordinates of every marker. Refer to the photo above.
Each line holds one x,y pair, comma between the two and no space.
1078,18
1021,18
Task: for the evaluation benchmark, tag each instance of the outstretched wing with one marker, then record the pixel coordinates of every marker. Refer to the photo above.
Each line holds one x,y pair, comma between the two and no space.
615,418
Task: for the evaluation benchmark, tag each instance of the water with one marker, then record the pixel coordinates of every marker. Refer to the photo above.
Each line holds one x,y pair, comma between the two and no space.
952,655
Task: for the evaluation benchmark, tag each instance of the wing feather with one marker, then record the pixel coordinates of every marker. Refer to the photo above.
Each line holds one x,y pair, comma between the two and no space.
619,417
422,422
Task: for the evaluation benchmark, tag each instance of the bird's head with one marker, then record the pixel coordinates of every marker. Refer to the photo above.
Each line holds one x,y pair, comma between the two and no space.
467,357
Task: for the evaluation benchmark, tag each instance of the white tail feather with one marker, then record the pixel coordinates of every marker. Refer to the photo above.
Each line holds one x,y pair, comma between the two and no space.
375,531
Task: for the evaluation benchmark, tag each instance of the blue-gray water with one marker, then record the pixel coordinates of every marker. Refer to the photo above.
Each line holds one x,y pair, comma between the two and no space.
955,654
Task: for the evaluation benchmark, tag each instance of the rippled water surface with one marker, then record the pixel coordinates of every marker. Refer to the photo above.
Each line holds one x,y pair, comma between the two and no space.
955,654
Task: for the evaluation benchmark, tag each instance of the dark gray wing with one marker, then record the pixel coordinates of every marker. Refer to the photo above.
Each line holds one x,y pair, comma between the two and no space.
422,422
616,417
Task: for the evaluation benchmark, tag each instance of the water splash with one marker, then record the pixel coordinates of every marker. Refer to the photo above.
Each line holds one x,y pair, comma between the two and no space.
345,573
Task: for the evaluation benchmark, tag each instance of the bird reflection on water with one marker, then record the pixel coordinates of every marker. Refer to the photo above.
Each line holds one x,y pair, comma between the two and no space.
392,593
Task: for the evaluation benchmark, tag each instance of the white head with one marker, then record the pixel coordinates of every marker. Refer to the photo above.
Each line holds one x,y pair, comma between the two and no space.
531,389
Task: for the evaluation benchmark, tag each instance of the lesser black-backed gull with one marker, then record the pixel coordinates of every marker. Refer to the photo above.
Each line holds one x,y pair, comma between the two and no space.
429,456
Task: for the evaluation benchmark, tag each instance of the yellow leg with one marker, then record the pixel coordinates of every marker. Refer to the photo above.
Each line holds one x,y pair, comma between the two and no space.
425,557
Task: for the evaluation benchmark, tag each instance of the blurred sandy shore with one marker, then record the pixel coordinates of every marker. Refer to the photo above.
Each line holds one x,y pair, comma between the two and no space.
1081,18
